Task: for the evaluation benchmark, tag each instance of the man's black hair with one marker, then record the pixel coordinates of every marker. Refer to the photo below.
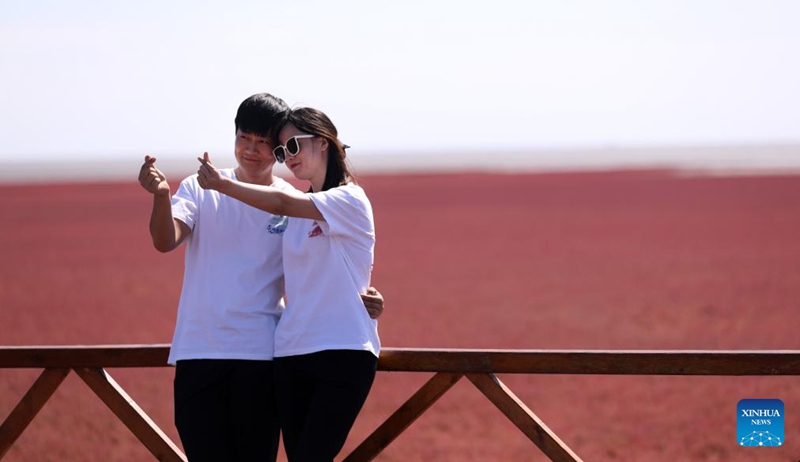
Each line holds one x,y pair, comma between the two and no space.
261,115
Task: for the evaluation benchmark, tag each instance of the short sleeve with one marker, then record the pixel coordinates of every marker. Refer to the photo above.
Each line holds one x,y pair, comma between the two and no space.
184,202
347,212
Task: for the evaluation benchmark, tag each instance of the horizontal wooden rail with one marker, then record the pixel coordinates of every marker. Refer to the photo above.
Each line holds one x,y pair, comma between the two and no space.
450,365
613,362
76,356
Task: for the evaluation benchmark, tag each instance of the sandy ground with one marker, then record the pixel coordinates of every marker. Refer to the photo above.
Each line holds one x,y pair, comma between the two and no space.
604,260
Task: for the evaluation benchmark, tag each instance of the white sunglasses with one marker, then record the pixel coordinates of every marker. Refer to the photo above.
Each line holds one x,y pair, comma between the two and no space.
292,148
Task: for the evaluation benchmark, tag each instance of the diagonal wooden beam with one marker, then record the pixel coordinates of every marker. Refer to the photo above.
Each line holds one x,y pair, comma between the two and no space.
404,417
519,414
29,406
126,409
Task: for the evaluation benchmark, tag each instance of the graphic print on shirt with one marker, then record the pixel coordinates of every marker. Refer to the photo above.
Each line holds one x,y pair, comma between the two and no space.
315,230
277,224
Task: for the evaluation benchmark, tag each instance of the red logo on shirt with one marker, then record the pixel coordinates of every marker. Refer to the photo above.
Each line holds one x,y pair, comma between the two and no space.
315,231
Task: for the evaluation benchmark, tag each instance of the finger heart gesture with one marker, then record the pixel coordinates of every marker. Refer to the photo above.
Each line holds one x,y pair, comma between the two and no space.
208,176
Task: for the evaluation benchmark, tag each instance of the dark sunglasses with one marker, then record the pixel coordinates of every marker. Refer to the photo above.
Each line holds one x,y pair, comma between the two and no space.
292,148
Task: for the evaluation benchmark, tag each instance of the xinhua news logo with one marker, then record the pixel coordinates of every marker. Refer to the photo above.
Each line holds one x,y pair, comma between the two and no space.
760,422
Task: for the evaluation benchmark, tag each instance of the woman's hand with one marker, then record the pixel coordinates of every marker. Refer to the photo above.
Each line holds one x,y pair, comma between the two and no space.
208,176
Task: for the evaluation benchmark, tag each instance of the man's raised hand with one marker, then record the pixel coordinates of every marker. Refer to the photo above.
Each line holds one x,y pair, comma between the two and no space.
152,179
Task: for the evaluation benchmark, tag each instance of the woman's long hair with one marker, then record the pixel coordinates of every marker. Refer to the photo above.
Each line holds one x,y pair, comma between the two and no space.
315,122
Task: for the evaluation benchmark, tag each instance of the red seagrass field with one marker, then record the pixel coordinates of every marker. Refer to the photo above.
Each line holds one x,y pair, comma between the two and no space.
581,260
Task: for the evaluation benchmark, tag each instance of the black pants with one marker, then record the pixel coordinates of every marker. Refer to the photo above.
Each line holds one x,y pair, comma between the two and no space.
225,410
319,397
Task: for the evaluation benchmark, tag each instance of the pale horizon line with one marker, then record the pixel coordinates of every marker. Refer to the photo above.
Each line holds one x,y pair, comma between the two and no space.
6,159
783,158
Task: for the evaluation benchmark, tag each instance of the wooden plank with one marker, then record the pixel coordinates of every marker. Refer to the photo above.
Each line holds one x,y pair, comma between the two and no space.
131,415
519,414
620,362
644,362
403,417
84,356
29,406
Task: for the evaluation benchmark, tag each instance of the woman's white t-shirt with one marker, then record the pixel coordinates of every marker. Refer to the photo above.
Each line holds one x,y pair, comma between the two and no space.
327,265
233,276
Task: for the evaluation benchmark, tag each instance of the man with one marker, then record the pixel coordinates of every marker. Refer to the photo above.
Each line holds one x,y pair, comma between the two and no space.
231,297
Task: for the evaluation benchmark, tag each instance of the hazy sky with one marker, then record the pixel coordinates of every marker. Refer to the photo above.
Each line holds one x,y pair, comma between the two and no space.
88,79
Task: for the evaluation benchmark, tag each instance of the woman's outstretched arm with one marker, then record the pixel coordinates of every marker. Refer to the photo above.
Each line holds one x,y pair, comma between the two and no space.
267,198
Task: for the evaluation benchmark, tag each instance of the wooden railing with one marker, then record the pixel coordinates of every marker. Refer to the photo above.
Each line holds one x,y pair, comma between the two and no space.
449,366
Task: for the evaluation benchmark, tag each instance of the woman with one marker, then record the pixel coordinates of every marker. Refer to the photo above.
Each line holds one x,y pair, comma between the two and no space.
326,345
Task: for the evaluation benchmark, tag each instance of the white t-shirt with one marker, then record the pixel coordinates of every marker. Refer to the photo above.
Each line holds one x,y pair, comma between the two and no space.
233,276
327,265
